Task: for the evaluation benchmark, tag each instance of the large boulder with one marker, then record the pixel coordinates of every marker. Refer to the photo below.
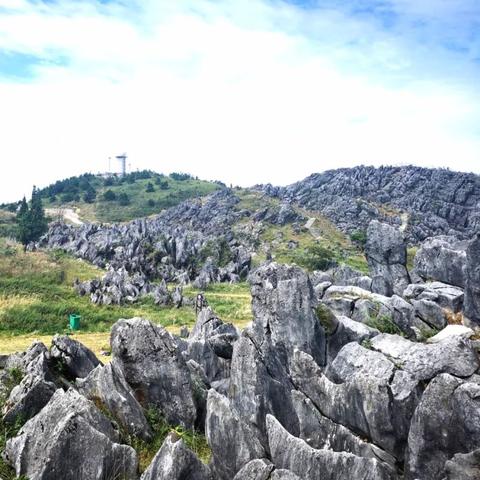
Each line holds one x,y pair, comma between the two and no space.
443,259
463,466
75,358
155,369
472,281
364,392
446,422
233,442
174,461
446,296
70,439
322,433
283,305
35,389
307,463
107,387
386,253
258,469
260,384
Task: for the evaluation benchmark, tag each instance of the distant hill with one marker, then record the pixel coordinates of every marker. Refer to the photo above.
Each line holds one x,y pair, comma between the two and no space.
118,199
422,201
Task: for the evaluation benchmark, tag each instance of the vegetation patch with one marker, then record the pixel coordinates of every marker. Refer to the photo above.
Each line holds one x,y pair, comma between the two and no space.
37,297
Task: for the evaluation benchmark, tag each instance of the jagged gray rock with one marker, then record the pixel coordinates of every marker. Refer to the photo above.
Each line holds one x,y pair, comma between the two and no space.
295,455
283,475
426,201
233,442
258,469
77,360
386,253
446,422
106,385
283,304
443,259
155,369
322,433
174,461
446,296
57,442
463,466
384,405
472,281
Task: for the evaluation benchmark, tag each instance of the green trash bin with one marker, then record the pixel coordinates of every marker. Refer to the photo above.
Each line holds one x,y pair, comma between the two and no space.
74,322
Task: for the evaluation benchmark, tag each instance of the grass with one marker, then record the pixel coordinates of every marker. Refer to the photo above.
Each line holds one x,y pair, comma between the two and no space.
142,203
37,297
323,233
147,450
384,324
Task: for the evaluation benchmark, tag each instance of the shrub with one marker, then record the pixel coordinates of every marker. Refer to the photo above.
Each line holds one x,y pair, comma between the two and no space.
359,237
385,324
123,199
315,257
180,177
109,196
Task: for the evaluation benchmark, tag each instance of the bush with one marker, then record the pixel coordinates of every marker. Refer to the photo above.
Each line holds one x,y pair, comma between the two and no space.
180,177
385,324
316,257
359,237
123,199
150,187
151,203
109,196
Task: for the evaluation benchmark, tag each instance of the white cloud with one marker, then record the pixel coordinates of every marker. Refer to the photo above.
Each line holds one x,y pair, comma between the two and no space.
261,93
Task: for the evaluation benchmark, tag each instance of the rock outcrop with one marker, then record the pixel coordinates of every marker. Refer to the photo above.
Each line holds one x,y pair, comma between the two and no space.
70,439
386,253
472,281
153,366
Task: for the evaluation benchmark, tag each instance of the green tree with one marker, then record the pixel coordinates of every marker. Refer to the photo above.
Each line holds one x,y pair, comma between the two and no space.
23,222
32,223
38,220
150,187
90,195
109,196
123,199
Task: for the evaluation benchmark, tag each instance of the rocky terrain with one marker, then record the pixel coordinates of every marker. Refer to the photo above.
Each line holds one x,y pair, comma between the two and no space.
426,202
214,239
340,375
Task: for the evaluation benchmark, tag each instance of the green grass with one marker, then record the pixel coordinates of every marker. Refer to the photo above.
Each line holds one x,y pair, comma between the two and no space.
8,226
37,297
329,237
112,211
147,450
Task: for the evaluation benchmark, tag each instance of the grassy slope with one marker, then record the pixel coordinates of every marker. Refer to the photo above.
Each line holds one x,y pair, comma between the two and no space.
112,211
323,233
37,297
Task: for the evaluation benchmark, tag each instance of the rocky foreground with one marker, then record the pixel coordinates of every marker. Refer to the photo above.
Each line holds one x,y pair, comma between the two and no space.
314,389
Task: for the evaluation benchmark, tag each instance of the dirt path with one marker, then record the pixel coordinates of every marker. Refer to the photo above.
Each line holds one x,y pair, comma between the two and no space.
67,213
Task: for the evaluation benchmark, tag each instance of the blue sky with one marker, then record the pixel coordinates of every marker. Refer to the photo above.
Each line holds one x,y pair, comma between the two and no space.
242,91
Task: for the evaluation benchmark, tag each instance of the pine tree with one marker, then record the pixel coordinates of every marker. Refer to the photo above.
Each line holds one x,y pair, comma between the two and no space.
38,221
32,223
23,215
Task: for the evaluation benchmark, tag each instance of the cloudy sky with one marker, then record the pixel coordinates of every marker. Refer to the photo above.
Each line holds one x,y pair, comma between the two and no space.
244,91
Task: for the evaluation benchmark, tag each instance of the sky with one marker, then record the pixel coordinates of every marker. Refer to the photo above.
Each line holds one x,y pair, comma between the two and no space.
243,91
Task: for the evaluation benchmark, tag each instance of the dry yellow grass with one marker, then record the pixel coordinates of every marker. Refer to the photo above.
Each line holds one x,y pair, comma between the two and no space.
10,301
97,342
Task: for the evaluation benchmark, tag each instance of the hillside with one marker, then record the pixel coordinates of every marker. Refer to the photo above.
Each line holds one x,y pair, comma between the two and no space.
119,199
424,202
